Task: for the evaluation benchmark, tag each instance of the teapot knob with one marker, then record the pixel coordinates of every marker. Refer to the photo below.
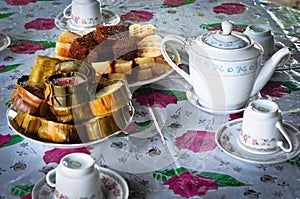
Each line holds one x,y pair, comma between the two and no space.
227,27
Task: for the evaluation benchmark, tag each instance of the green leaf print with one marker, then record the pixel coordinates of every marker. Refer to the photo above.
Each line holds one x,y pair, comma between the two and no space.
222,180
8,104
6,15
141,127
213,25
185,3
165,174
9,67
21,191
47,44
295,162
292,85
14,139
180,95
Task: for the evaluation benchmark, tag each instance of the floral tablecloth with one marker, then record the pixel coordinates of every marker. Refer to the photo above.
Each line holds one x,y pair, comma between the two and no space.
189,164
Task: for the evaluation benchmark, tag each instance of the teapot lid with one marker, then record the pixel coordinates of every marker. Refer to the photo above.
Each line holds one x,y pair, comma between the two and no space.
225,39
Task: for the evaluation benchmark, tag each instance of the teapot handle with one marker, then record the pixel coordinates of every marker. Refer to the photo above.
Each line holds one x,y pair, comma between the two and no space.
182,41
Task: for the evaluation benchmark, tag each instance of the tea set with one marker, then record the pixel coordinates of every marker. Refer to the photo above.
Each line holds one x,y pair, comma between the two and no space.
226,71
77,176
85,15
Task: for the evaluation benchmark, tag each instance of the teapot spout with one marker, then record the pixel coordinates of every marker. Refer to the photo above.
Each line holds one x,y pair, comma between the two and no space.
268,69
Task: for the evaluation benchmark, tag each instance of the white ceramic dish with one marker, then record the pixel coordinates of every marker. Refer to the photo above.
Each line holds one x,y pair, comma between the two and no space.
112,184
227,139
4,41
11,114
149,81
192,97
109,18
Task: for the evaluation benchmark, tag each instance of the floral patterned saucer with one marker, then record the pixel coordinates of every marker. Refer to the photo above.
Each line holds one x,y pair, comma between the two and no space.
109,18
4,41
192,97
112,184
227,139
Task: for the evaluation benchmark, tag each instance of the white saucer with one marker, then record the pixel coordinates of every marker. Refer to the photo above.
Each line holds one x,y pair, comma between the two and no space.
192,97
227,139
109,18
4,41
113,187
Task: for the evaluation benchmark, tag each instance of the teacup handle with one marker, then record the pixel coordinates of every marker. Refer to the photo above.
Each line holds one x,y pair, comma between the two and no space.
50,179
65,11
287,138
182,41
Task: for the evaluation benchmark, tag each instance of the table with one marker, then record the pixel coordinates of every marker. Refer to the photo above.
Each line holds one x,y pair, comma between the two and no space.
178,169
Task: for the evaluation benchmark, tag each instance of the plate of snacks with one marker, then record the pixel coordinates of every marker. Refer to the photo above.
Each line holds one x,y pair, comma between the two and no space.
63,103
131,52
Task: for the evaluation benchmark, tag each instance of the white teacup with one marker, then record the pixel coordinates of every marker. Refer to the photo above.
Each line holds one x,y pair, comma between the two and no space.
262,130
84,13
75,177
262,34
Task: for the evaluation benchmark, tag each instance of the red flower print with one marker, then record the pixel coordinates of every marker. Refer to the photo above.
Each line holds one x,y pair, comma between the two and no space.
137,16
55,155
173,2
236,116
230,8
274,90
26,47
155,99
4,139
2,67
19,2
40,24
189,184
196,141
28,196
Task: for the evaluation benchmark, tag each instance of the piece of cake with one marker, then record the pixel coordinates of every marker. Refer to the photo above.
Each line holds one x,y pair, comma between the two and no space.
145,74
102,67
125,48
68,37
141,31
81,46
123,66
111,32
150,46
102,52
63,44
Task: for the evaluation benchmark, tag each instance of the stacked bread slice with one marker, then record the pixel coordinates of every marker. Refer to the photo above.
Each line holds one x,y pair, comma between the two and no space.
117,51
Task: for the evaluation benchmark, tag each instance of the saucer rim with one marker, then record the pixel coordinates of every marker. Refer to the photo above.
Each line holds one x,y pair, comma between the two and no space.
190,94
6,41
60,16
117,177
272,158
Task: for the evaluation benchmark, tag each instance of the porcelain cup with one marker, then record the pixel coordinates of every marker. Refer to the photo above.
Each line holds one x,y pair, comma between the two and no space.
84,13
262,34
75,177
262,130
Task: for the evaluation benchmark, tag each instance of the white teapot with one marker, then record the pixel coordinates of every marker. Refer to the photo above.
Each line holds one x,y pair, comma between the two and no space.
225,67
